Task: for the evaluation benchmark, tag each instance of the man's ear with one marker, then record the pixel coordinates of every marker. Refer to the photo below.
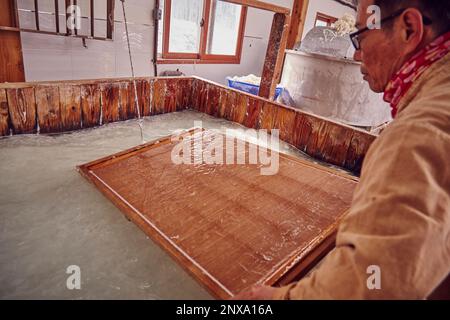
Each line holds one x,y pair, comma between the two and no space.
412,27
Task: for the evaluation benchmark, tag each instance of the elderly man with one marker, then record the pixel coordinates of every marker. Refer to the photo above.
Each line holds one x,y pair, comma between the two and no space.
398,230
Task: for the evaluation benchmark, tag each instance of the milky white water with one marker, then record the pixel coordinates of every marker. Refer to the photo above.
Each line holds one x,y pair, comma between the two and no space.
51,218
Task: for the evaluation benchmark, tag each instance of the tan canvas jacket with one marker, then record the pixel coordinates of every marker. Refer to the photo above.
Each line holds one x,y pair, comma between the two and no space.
400,216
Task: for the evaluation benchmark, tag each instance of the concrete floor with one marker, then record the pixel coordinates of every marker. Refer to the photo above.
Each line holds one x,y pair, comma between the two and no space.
52,218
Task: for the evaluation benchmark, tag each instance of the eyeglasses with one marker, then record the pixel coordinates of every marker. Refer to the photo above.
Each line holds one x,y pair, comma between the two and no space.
354,37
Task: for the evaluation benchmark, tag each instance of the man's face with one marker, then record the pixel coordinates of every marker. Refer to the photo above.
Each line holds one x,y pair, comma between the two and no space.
379,54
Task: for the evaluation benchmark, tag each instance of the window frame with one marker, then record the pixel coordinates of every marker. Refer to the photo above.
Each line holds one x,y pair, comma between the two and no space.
325,18
201,57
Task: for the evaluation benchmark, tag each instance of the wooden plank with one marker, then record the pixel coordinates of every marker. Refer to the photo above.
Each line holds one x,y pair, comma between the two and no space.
48,109
337,140
298,18
158,96
212,107
171,96
22,110
260,5
240,111
70,97
357,150
145,98
90,105
126,110
268,113
235,227
11,58
252,119
110,102
4,114
273,62
284,121
184,100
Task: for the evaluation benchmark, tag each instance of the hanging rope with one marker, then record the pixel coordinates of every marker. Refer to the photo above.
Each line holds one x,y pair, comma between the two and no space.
136,100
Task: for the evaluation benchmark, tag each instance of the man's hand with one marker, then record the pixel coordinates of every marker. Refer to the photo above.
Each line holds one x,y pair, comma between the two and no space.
256,293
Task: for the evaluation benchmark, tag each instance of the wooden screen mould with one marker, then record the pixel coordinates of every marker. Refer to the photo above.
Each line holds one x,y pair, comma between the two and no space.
227,224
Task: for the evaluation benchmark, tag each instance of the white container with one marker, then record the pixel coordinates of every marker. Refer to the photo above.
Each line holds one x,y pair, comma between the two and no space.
333,88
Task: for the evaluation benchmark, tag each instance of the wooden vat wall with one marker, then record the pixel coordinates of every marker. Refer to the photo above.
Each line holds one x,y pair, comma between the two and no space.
320,138
53,107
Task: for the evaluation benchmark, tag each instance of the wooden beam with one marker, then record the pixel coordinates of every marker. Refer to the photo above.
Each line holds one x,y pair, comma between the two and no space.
298,19
261,5
110,18
275,55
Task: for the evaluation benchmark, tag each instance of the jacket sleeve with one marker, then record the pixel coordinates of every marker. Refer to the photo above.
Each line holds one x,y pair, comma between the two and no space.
399,222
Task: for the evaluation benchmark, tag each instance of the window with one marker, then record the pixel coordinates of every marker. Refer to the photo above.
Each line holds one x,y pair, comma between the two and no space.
82,18
323,20
205,31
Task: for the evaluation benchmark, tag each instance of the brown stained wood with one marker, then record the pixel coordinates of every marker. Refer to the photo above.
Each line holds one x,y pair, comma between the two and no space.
260,5
235,227
184,100
22,110
212,107
268,113
284,121
171,96
357,150
48,109
11,58
158,96
126,109
70,97
241,109
228,100
110,102
252,117
90,105
299,11
4,114
200,98
274,56
137,94
145,98
336,142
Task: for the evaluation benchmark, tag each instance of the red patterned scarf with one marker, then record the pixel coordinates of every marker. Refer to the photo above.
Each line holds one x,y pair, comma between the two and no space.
402,81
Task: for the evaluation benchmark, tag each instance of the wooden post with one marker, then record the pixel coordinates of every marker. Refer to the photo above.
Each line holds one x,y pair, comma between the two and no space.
275,55
11,58
299,11
110,19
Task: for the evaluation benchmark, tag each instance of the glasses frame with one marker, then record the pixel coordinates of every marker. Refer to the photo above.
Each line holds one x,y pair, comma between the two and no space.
354,37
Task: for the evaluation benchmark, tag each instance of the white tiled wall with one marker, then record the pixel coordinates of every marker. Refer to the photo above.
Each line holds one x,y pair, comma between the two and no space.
49,57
